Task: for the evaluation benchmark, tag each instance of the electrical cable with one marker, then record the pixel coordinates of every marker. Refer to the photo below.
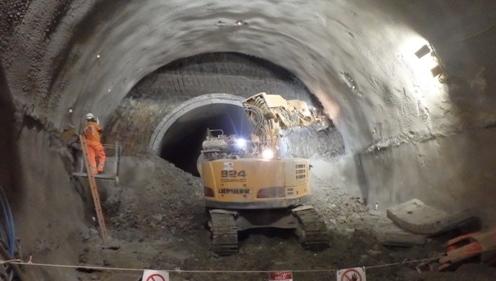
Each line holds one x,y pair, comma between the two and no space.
9,225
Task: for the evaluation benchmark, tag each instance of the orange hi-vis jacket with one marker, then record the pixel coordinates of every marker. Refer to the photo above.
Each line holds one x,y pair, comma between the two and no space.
92,132
96,152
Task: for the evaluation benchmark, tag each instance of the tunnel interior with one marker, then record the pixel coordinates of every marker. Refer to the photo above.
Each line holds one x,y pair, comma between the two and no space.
182,142
409,87
171,91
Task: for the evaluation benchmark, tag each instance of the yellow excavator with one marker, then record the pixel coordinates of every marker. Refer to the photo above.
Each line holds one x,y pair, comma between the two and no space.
249,184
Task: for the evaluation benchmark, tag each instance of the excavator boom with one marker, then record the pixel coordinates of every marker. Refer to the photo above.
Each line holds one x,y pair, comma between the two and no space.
271,114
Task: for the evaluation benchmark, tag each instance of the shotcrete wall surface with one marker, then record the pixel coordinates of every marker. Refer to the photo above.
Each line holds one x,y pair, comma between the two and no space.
33,172
406,133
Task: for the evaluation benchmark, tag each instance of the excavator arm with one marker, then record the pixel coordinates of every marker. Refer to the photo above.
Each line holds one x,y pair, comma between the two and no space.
271,114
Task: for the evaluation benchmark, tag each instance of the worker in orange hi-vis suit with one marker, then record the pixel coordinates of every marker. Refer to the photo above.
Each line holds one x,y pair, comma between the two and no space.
96,153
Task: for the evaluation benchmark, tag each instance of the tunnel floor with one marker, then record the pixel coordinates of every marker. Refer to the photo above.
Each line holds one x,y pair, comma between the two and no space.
157,220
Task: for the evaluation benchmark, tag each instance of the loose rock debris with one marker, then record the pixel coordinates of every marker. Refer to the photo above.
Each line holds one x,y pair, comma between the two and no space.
157,220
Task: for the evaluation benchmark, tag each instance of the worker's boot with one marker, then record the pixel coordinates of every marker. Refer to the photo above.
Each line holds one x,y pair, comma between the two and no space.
100,168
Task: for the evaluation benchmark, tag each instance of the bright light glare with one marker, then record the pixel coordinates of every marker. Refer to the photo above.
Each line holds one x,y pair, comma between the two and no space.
267,154
240,143
425,88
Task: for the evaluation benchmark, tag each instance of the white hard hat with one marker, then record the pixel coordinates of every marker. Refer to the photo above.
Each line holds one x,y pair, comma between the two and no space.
90,116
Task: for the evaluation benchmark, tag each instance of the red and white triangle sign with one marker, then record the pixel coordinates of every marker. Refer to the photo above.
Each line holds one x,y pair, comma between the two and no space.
155,275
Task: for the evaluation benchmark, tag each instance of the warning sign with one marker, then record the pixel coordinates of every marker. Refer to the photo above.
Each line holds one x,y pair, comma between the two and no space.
155,275
352,274
281,276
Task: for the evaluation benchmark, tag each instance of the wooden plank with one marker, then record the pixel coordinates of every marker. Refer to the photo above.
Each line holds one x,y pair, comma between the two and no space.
99,176
94,190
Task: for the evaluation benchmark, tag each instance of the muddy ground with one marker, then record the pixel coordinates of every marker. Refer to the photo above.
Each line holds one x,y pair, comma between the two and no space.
157,220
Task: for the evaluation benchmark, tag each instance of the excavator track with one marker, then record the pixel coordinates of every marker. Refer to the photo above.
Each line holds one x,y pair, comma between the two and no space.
311,230
224,232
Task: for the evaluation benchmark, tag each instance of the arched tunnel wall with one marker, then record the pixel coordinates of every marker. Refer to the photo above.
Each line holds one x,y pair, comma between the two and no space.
49,213
408,134
138,121
352,61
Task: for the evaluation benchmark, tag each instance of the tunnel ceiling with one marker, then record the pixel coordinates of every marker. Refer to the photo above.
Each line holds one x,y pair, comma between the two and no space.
358,58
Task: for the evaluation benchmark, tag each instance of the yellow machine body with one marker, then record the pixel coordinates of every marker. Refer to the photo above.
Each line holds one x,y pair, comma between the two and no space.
251,183
243,190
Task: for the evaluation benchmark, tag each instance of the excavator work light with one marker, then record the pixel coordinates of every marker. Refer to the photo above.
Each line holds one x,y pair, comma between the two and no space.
241,143
267,154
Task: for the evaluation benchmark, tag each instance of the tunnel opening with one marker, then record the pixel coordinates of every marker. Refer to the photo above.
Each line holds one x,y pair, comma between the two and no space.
185,97
182,142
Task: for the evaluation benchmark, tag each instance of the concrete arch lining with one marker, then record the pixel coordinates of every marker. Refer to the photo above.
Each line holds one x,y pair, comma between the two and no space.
172,117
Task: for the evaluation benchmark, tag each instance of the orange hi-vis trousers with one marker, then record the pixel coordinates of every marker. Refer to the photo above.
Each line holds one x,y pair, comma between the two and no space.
96,156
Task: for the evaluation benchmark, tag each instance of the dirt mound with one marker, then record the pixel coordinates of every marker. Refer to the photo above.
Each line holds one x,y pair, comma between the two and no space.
154,200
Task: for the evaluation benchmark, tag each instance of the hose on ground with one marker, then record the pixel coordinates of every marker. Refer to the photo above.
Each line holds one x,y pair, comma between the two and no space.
8,225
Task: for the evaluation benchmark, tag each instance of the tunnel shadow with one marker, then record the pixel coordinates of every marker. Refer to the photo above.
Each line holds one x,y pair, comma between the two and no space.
182,142
10,165
268,232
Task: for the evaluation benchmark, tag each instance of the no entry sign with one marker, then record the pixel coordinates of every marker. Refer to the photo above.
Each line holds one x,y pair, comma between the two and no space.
351,274
281,276
155,275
